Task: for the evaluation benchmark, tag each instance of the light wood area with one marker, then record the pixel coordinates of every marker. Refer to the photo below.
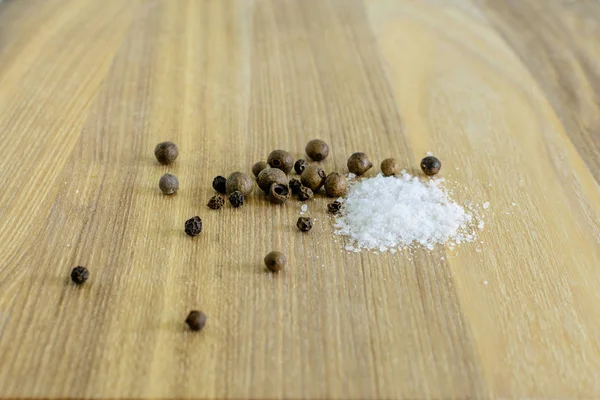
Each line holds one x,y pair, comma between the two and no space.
506,93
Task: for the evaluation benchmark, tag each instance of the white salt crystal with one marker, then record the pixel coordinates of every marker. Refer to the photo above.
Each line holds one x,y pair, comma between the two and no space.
485,282
486,205
304,207
351,175
513,204
429,153
481,225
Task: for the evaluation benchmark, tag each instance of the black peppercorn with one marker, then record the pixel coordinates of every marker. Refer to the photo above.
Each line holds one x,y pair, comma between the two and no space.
300,166
282,160
166,152
279,194
216,202
304,224
196,320
193,226
79,275
305,193
431,165
390,167
317,150
336,185
240,182
219,184
269,176
334,207
359,163
313,177
236,199
275,261
168,184
295,185
259,166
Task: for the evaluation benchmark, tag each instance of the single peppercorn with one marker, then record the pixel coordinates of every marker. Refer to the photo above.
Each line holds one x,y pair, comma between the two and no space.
79,275
305,193
317,150
304,224
300,166
196,320
359,163
295,185
269,176
431,165
282,160
239,182
168,184
275,261
279,194
336,185
334,207
313,177
166,152
216,202
193,226
390,167
259,166
219,184
236,199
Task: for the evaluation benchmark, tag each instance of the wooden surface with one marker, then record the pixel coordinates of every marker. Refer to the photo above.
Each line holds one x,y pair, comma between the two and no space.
506,91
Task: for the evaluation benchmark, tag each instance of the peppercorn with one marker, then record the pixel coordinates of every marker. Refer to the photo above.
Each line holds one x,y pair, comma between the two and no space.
282,160
275,261
79,275
313,177
431,165
305,193
240,182
336,185
295,185
193,226
279,194
300,166
304,224
219,184
359,163
166,152
216,202
269,176
236,199
317,149
196,320
168,184
390,167
259,166
334,207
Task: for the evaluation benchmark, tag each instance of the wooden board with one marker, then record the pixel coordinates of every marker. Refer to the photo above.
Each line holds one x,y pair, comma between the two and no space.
507,93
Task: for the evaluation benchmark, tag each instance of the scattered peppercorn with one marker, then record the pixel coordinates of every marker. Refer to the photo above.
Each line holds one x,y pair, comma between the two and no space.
390,167
275,261
336,185
166,152
304,224
431,165
236,199
193,226
219,184
216,202
334,207
313,177
282,160
305,193
168,184
240,182
269,176
79,275
317,149
279,194
295,185
359,163
196,320
300,166
259,166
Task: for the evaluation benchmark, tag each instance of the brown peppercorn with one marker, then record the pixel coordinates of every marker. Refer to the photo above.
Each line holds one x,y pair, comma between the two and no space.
279,194
166,152
282,160
193,226
390,167
259,166
304,224
240,182
219,184
313,177
431,165
334,207
236,199
216,202
336,185
359,163
305,193
300,166
275,261
168,184
317,150
79,275
196,320
269,176
295,185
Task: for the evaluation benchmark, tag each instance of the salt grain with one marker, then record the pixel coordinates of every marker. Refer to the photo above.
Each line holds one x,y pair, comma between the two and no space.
304,208
486,205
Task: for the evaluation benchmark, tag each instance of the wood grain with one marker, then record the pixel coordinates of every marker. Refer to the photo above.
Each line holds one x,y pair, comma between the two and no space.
506,93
